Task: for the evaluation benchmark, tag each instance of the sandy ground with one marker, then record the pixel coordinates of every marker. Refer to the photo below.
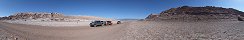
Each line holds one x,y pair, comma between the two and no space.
137,30
32,32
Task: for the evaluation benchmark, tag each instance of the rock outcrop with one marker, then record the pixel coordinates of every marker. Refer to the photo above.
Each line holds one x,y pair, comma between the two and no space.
197,13
43,16
152,16
34,15
240,19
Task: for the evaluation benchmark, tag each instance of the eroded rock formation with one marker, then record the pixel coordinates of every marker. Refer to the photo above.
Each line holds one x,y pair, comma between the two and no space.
34,15
197,13
43,16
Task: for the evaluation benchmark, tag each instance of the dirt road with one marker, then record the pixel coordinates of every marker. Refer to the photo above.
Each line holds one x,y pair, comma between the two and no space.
138,30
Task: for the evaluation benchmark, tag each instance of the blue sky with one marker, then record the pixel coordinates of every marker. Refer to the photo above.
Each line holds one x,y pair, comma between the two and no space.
118,9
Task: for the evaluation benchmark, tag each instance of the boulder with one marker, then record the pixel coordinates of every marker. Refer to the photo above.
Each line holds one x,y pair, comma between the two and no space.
240,19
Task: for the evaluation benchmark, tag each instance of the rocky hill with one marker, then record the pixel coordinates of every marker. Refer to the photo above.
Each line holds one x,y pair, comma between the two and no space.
33,15
197,13
44,16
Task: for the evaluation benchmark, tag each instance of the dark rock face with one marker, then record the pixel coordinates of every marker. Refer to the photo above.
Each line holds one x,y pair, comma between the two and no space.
240,19
32,15
199,13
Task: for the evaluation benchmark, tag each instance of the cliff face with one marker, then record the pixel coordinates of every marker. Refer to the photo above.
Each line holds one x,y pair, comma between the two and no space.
32,15
198,13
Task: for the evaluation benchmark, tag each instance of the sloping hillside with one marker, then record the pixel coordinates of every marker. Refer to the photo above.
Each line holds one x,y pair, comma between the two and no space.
197,13
50,17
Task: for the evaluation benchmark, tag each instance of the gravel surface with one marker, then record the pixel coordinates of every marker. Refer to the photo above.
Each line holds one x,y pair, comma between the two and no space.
7,36
52,23
151,30
133,30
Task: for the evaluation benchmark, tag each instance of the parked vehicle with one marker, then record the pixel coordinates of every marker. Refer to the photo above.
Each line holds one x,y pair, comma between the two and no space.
97,23
109,23
118,22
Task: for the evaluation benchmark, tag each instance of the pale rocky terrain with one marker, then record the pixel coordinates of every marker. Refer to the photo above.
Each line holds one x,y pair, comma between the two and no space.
134,30
51,19
7,36
164,30
51,23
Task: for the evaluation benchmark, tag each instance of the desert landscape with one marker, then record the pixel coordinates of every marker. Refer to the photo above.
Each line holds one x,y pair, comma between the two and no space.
181,23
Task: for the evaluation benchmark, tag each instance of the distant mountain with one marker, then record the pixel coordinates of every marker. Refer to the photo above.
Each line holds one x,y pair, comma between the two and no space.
196,13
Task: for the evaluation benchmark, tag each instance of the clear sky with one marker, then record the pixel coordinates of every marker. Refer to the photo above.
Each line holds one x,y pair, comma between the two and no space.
118,9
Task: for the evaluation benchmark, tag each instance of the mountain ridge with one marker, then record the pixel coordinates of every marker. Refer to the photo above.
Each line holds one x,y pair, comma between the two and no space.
197,13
